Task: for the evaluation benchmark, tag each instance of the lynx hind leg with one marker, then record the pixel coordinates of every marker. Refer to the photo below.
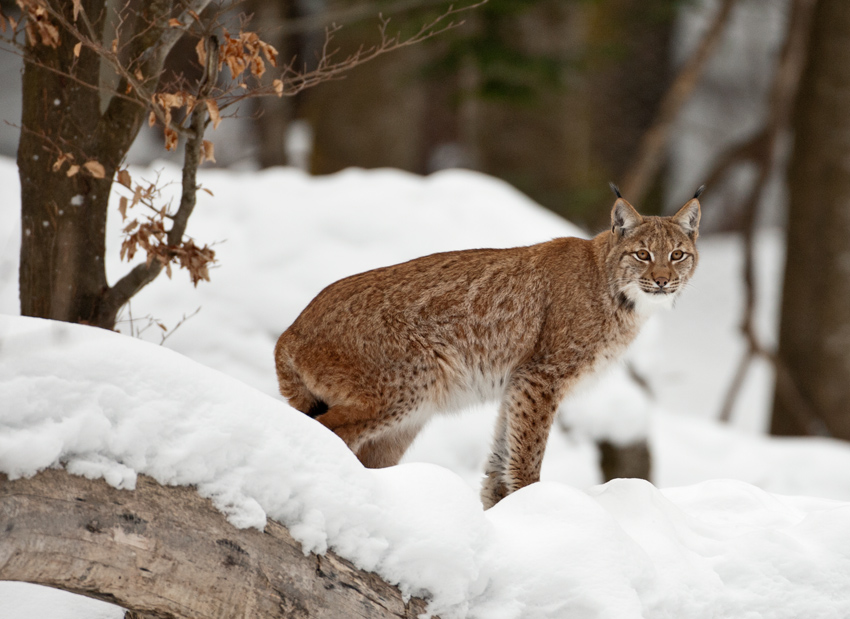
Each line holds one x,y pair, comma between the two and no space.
522,429
353,424
366,427
291,385
386,449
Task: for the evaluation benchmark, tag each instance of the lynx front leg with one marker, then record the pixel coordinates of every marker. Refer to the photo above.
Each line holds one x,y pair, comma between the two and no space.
494,488
525,418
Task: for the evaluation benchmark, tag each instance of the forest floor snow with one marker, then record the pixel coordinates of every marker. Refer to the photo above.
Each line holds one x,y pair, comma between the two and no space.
203,409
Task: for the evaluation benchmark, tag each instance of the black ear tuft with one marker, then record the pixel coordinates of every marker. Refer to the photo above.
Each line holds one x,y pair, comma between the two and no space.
615,189
624,217
699,191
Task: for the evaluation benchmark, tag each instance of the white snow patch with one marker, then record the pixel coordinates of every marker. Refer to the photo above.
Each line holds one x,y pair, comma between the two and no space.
113,407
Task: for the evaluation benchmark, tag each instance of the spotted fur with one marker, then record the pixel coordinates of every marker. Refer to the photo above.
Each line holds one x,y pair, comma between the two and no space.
375,355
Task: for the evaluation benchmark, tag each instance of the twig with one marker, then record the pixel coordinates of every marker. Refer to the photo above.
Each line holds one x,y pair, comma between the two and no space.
179,324
349,14
141,275
294,81
650,154
166,332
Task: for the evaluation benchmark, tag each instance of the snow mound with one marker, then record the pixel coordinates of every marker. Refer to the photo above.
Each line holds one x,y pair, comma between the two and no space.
104,405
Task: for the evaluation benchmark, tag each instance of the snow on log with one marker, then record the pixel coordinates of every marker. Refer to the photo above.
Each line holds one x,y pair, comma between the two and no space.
167,552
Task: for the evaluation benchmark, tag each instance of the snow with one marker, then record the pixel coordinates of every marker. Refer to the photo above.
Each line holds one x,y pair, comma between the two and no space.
202,409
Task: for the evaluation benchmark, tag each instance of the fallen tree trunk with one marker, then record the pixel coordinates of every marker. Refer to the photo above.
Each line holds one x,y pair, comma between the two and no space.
166,552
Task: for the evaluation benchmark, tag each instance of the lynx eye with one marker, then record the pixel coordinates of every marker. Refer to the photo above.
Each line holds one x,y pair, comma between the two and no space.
677,255
642,254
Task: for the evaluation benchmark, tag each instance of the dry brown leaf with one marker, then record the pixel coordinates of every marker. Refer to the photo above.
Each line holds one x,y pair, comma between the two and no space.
212,107
170,139
137,195
122,208
125,179
39,27
50,35
63,157
209,152
77,49
175,23
95,169
258,67
151,119
269,52
73,170
278,87
115,46
77,8
201,51
139,75
2,23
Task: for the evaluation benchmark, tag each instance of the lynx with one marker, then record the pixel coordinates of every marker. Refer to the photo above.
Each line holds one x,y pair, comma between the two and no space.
375,355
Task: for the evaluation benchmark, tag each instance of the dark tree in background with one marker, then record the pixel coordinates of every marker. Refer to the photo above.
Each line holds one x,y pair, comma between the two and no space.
550,95
814,341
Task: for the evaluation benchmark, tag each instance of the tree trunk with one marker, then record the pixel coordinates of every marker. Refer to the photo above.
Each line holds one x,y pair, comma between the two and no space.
62,273
814,339
166,552
625,461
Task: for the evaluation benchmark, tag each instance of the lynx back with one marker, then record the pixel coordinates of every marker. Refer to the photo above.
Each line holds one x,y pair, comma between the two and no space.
375,355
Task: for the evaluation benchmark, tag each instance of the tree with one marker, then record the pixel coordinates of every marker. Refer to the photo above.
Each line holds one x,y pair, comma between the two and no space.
93,73
815,323
166,552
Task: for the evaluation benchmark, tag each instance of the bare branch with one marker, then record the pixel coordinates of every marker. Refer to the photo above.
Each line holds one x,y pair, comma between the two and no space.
168,333
142,275
650,153
348,14
293,81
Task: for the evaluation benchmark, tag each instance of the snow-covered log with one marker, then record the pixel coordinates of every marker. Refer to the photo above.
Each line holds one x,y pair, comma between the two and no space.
167,552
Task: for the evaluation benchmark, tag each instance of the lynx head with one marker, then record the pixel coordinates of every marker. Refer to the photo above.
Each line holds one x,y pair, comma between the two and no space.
650,259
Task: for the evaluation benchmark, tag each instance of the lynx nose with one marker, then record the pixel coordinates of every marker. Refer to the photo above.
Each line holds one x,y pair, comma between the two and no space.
661,281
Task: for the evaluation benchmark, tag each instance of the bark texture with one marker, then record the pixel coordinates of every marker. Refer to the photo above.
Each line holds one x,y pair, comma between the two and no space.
166,552
63,218
67,111
815,326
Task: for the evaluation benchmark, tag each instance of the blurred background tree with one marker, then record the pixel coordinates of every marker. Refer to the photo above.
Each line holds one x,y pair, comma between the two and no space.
550,95
814,337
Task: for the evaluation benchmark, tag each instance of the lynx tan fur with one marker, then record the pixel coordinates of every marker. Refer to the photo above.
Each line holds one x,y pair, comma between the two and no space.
375,355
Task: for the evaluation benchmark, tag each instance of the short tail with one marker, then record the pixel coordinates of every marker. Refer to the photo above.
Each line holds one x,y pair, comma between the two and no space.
291,384
319,408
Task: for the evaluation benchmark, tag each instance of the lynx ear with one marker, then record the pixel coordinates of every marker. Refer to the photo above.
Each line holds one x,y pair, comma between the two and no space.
688,218
624,218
